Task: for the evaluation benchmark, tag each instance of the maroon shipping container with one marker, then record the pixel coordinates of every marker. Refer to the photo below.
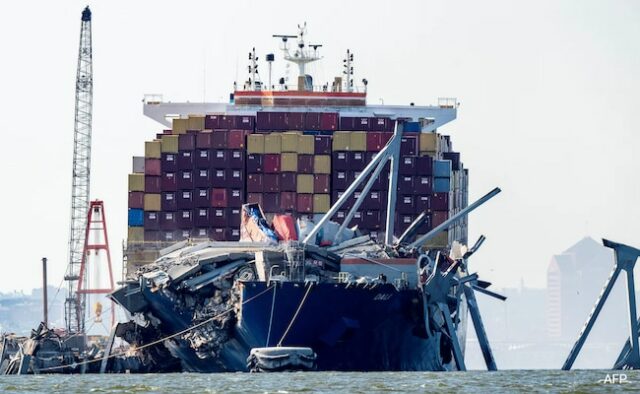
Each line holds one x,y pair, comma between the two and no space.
152,184
234,217
169,162
407,165
201,218
185,199
254,198
218,234
440,201
227,121
322,145
271,183
235,178
357,161
357,123
357,220
219,198
409,145
347,123
439,217
295,120
426,225
340,180
219,158
373,200
254,163
382,124
422,184
204,140
406,204
212,121
384,138
185,219
218,217
236,159
152,220
262,121
374,141
255,183
312,121
403,221
152,167
202,178
424,165
336,194
168,236
201,232
167,221
329,121
203,158
185,179
340,216
372,220
271,163
185,160
232,234
186,141
136,200
271,121
219,139
168,201
304,203
244,122
271,202
305,164
288,201
235,198
406,184
151,235
201,198
453,156
236,139
340,161
423,203
219,178
321,183
169,181
288,181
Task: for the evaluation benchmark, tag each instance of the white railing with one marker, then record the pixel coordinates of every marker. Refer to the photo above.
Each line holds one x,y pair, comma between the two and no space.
152,99
447,102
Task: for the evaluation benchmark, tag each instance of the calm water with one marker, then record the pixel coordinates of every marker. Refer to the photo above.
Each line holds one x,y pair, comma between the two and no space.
327,382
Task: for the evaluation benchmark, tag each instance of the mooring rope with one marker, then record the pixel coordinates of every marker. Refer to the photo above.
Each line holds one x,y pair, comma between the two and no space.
273,306
295,315
158,341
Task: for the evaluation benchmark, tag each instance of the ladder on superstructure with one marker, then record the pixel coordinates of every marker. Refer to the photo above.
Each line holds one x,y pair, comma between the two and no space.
74,302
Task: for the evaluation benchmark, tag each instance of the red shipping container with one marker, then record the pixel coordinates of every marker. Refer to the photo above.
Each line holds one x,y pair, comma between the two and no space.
219,139
329,121
322,145
288,201
305,203
235,198
136,200
254,163
321,183
152,167
295,120
204,140
187,141
236,139
219,198
374,141
288,181
254,198
305,164
271,183
439,217
255,183
152,184
271,163
285,227
384,138
271,202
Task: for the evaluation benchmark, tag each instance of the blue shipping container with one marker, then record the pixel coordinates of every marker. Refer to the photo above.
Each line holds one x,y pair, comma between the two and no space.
412,127
136,217
441,185
442,168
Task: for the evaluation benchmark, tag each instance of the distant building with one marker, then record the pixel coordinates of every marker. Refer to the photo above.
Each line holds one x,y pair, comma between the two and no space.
574,280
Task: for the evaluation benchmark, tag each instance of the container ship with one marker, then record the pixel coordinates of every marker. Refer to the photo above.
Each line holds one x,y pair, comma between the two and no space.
295,216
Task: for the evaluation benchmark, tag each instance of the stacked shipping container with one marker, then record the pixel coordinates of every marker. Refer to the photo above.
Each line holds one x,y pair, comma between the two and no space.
194,178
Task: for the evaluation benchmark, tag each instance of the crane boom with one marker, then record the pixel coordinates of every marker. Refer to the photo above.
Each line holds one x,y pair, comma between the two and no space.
74,303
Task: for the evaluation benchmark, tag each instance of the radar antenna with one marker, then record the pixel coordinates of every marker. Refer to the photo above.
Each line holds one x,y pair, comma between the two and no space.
300,56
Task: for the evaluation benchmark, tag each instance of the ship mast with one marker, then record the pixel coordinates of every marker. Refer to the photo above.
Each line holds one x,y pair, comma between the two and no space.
302,55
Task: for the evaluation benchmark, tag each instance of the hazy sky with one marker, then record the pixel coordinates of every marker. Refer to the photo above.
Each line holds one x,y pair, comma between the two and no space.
548,93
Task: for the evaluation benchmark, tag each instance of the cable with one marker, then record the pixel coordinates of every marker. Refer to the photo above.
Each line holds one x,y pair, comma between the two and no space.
158,340
295,315
273,306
